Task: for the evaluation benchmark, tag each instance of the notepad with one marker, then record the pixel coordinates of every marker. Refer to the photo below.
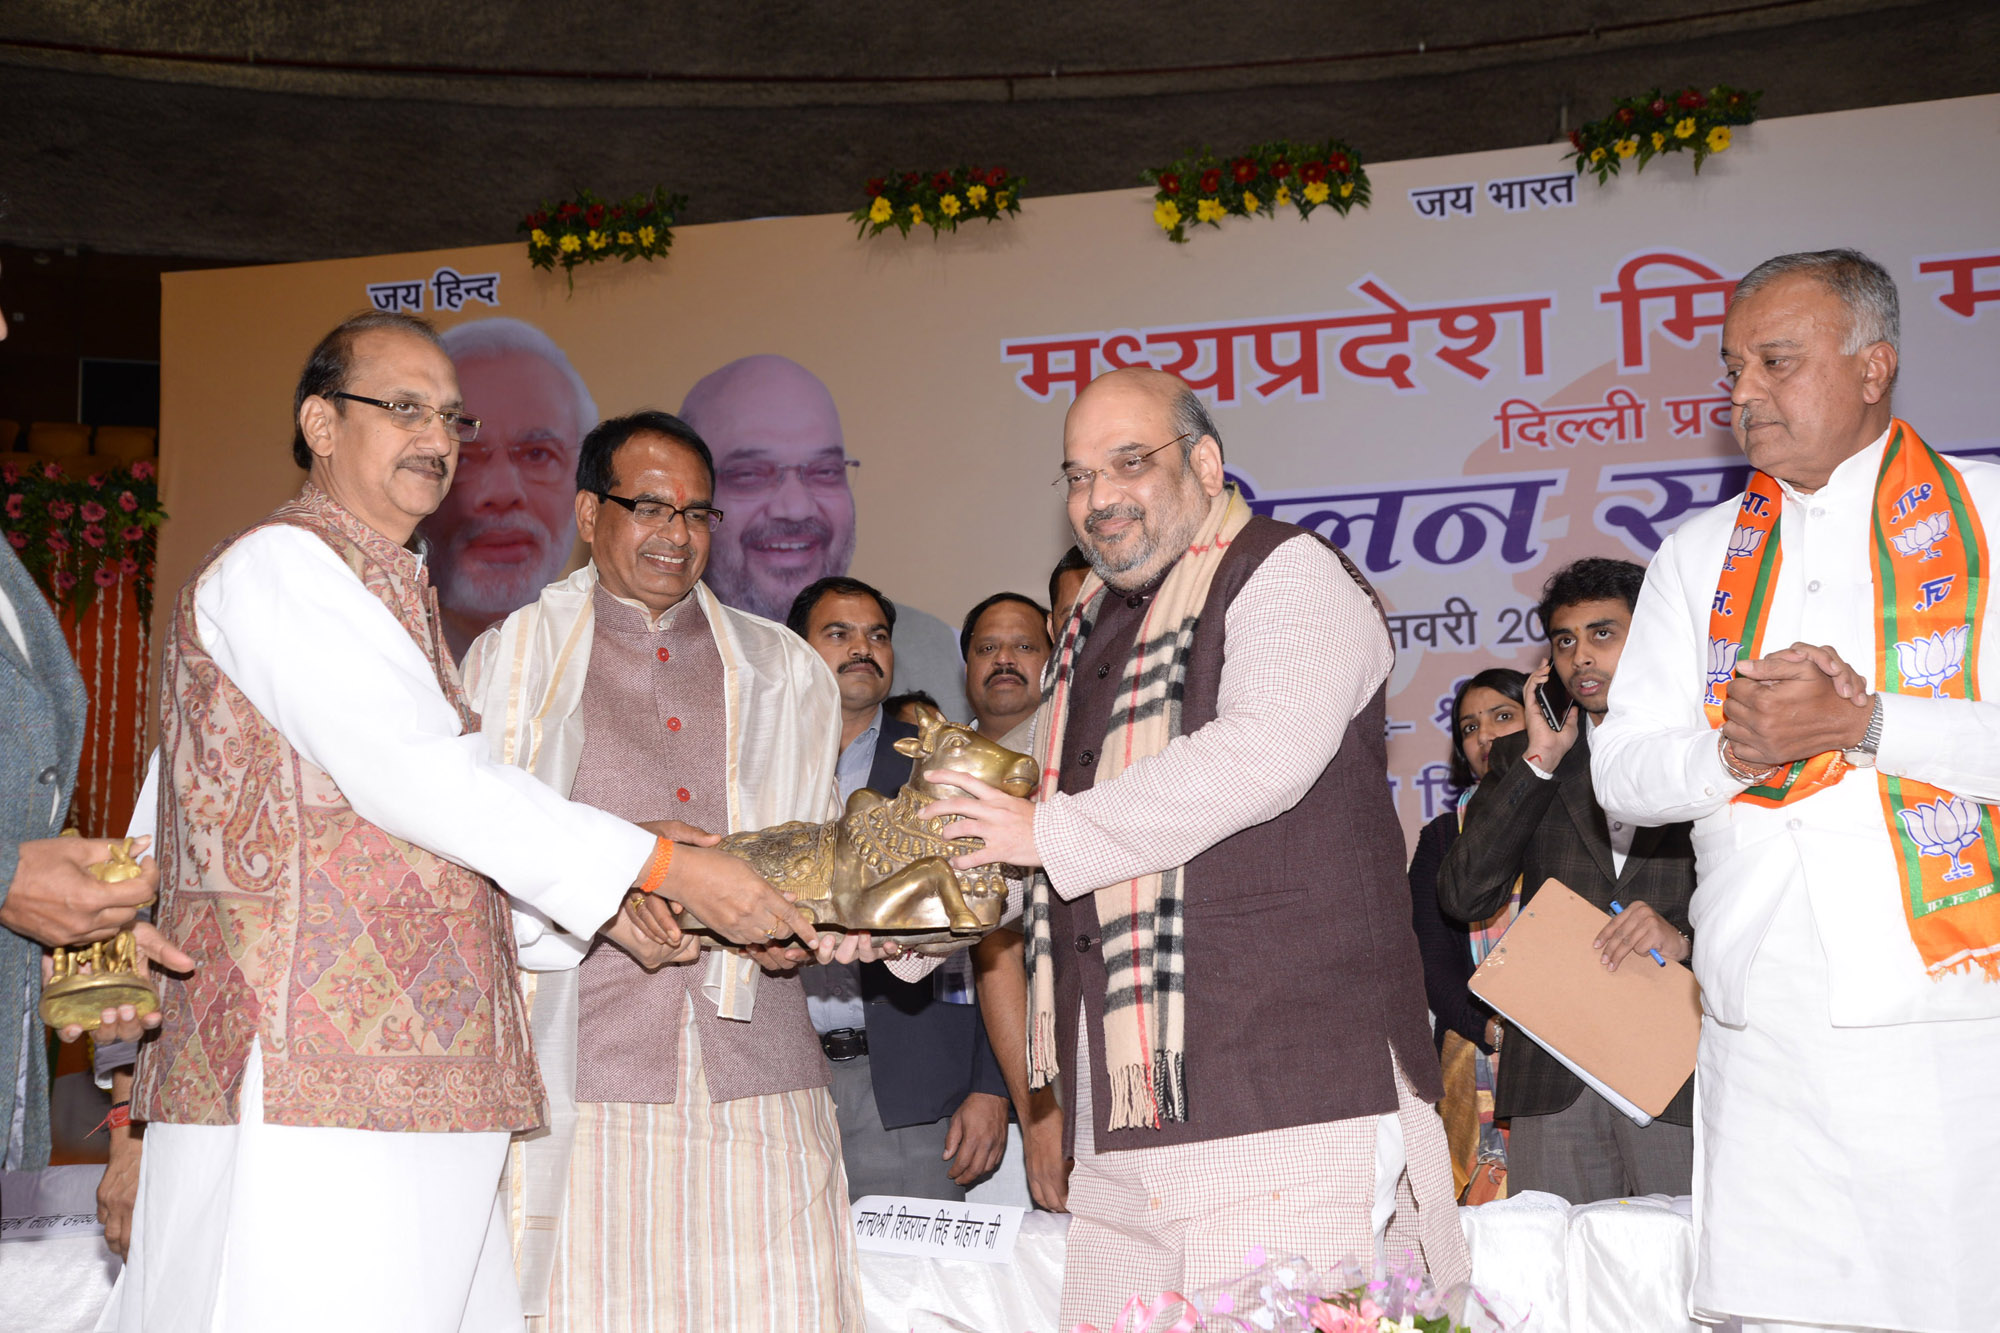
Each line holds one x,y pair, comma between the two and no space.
1630,1034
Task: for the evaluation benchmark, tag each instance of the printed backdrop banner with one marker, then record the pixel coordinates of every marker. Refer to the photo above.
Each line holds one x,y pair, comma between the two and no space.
1496,369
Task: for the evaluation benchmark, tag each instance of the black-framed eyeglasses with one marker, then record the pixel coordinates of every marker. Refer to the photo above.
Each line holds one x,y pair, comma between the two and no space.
660,514
1122,469
414,417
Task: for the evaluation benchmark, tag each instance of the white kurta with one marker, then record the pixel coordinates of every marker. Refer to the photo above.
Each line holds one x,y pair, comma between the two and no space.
1838,1144
253,1227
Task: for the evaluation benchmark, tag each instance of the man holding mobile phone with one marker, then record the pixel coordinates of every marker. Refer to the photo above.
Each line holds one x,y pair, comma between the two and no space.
1536,817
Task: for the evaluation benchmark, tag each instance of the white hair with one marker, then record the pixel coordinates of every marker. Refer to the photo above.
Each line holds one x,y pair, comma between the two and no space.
1863,286
494,337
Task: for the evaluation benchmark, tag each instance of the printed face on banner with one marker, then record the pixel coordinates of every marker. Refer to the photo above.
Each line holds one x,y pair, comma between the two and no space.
650,562
507,528
780,474
1803,402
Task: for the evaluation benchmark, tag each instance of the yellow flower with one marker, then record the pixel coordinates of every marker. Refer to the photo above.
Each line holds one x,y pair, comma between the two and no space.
1597,155
1316,192
916,212
1347,189
596,239
538,238
1209,210
1166,213
1684,128
1718,138
1005,198
949,206
570,244
1249,202
1628,147
975,195
646,236
1283,196
624,238
881,210
1659,141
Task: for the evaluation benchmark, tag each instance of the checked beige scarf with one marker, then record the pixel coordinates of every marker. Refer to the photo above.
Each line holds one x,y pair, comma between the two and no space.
1144,1038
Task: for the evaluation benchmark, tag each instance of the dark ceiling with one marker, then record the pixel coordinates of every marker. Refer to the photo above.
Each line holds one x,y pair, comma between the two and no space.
288,130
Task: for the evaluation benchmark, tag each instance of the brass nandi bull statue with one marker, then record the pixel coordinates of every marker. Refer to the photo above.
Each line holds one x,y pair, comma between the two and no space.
881,866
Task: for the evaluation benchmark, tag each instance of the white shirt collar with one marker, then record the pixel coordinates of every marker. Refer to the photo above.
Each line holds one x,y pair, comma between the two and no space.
1854,477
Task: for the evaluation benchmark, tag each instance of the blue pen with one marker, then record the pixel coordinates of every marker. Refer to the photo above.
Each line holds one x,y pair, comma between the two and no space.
1618,909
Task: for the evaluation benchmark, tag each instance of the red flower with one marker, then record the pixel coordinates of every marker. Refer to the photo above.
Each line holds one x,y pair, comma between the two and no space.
19,540
1691,100
95,481
538,219
911,178
57,542
1244,170
128,502
93,512
617,213
93,534
105,576
594,216
128,566
1280,169
14,505
1576,140
567,211
1340,163
941,181
997,177
50,472
875,186
1169,183
1624,115
647,211
1211,180
60,510
133,533
142,469
1313,172
64,580
1659,106
9,473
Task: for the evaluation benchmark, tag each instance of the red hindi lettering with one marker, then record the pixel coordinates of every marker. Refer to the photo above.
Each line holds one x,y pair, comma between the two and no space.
1685,324
1042,374
1965,295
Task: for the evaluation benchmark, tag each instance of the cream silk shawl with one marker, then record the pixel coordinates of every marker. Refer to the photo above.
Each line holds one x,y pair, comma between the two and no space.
525,677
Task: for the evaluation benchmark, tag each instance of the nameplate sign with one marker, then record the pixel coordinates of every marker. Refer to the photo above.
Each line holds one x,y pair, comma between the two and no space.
934,1229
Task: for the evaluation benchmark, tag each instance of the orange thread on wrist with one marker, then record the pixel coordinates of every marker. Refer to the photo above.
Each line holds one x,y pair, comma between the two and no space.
656,868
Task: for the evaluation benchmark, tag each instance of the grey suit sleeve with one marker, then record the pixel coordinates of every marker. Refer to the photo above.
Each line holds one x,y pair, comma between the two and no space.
1479,871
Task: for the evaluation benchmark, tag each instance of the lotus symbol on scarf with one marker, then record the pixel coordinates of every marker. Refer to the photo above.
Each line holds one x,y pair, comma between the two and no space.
1923,536
1743,543
1944,827
1721,663
1933,659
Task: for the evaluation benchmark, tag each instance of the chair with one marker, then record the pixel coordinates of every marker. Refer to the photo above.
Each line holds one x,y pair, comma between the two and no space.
10,431
126,444
58,439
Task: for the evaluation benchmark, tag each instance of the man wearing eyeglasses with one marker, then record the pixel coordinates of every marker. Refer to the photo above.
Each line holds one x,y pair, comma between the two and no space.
783,473
695,1093
506,529
332,1092
1221,965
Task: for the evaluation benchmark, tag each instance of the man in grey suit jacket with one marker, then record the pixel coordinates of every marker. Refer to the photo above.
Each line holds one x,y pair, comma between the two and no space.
1536,818
46,898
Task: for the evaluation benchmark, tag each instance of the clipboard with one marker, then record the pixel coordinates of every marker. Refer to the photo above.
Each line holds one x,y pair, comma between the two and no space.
1630,1034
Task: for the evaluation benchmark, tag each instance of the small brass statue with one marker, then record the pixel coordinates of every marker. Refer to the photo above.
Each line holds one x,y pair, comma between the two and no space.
884,868
91,978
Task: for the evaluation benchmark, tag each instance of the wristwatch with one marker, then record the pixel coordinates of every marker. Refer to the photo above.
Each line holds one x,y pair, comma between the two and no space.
1863,755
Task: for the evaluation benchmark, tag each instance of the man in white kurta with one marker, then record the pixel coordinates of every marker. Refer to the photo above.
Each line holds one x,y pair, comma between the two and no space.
1845,1091
257,1209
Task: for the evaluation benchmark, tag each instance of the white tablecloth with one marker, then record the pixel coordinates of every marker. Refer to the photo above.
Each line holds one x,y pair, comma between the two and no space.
1621,1266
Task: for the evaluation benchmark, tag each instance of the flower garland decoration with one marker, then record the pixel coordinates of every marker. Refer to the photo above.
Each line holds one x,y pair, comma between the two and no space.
1206,189
1642,128
589,230
940,200
79,535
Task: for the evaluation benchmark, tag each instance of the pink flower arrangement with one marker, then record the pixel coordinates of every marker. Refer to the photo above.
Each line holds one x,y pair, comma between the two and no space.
105,576
18,540
64,581
14,505
127,501
60,510
133,533
143,469
94,535
93,512
63,527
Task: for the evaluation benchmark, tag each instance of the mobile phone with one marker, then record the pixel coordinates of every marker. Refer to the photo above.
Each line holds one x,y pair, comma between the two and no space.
1553,696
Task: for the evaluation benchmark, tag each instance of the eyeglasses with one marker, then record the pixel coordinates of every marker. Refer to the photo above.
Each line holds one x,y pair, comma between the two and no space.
414,417
1122,470
828,474
660,514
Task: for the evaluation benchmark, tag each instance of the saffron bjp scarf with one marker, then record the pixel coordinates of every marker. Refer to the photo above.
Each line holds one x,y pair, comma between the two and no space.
1144,1038
1929,560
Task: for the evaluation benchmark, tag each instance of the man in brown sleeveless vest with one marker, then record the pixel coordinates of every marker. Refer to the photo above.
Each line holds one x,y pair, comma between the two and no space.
1220,952
334,1086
